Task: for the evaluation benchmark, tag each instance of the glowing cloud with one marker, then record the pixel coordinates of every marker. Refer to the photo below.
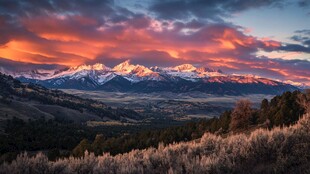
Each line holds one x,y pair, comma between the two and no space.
76,32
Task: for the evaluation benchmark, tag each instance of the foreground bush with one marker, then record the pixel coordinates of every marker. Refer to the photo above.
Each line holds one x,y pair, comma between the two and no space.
281,150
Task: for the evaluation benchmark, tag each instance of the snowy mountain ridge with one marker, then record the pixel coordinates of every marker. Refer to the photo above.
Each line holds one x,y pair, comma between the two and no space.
134,73
130,77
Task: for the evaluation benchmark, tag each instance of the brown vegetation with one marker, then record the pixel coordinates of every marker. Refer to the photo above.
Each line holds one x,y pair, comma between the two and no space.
240,116
280,150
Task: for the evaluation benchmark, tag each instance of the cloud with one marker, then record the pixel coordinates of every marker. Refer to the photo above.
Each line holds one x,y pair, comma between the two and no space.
304,3
89,31
22,66
296,47
147,58
301,36
305,31
32,8
211,10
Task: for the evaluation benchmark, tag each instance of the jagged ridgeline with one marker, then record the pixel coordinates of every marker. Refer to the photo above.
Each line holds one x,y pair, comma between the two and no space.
33,98
127,77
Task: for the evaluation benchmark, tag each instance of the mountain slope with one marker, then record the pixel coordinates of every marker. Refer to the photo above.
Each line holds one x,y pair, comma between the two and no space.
127,77
16,98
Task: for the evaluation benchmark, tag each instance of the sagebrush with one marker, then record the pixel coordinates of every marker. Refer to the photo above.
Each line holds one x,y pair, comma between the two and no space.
280,150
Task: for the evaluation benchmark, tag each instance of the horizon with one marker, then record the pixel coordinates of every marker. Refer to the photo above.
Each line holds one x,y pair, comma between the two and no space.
269,38
111,69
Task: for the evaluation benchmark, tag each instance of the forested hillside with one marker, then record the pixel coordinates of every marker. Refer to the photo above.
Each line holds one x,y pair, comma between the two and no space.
282,110
279,150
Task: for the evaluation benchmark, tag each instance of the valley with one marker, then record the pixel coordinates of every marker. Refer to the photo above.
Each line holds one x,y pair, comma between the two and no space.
177,106
68,122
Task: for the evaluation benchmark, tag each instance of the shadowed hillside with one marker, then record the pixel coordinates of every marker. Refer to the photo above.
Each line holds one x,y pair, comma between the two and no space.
30,101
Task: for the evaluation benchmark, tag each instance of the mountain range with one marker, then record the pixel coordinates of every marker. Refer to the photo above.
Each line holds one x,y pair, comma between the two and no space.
127,77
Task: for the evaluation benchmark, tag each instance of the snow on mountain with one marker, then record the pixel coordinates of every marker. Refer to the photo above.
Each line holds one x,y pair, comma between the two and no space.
185,71
135,73
298,84
185,68
97,66
82,70
124,68
141,71
189,72
99,74
103,78
38,74
246,79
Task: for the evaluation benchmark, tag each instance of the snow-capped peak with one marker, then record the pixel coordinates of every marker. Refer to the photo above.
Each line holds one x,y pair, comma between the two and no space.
141,70
100,74
124,67
97,66
127,68
205,69
185,68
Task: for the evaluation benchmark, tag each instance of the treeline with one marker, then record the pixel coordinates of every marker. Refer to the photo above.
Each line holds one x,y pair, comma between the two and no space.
282,110
10,87
58,139
280,150
143,139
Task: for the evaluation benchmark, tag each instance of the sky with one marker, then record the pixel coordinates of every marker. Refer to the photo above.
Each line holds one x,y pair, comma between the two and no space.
268,38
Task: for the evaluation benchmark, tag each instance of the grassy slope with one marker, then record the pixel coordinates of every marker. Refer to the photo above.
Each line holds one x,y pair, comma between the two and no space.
29,101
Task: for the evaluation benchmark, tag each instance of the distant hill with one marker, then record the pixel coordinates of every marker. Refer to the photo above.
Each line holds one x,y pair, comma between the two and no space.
32,101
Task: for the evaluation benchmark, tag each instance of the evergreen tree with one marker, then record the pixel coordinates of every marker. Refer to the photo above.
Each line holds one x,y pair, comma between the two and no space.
263,111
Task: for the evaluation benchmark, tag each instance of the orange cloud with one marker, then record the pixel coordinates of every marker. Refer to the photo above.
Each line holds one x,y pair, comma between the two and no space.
80,39
73,39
